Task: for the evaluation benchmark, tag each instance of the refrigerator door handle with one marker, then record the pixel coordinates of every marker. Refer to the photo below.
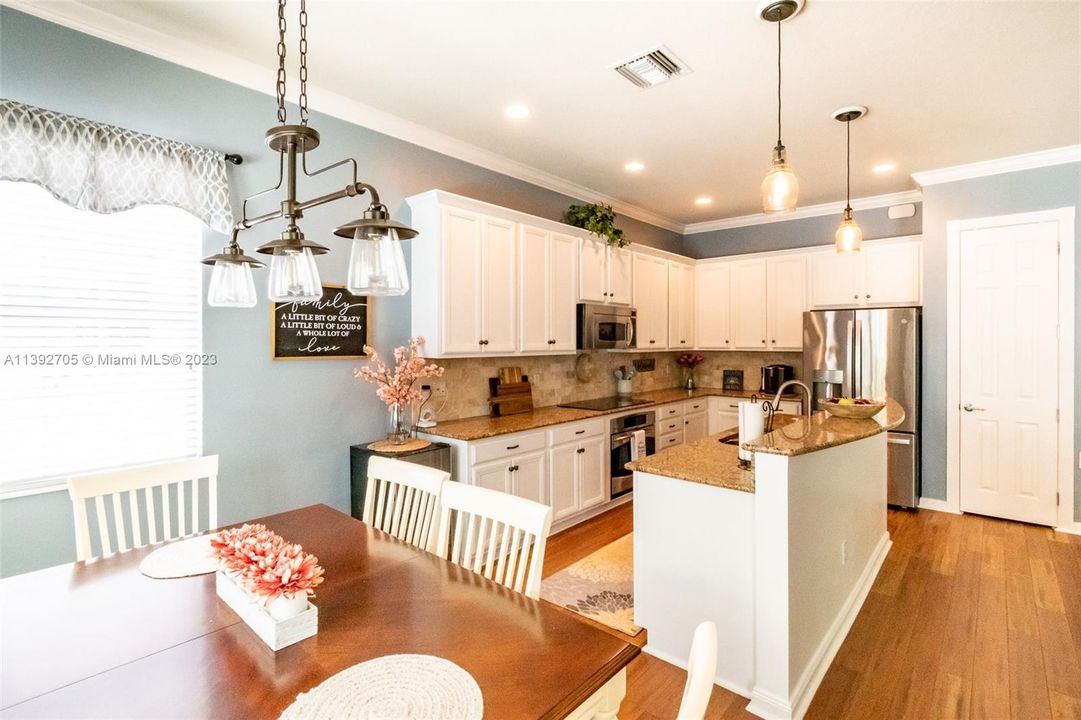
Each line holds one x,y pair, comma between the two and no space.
857,352
848,389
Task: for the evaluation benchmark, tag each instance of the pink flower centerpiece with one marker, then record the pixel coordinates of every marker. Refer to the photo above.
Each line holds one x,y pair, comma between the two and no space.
396,389
689,361
278,574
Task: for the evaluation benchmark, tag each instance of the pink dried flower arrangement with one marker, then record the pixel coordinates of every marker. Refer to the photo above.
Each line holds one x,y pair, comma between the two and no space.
265,563
397,388
689,359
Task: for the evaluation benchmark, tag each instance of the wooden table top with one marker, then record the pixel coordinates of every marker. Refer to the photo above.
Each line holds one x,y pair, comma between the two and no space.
100,639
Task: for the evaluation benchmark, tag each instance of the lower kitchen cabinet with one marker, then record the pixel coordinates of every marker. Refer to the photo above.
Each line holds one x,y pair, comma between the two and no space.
578,477
695,426
522,475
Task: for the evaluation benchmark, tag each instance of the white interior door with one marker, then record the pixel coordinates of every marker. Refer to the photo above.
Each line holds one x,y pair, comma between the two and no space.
1008,380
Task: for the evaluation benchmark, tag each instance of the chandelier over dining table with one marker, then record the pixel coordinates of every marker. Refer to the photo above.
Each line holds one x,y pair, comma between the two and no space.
376,261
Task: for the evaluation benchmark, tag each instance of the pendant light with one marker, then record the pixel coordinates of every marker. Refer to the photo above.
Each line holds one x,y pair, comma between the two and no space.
376,264
849,237
780,188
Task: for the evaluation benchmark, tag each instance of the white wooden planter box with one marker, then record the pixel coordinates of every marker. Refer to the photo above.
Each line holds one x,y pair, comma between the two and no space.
275,633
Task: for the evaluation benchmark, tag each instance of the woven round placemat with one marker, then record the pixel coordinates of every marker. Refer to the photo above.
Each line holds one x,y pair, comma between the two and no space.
389,447
182,558
395,687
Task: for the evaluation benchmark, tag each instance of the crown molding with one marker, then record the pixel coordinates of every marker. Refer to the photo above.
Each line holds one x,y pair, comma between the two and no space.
1026,161
809,211
99,23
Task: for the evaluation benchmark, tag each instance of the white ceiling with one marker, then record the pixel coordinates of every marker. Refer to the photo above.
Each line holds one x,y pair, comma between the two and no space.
946,83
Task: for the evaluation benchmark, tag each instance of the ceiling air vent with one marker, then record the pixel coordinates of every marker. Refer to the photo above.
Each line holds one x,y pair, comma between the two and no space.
653,68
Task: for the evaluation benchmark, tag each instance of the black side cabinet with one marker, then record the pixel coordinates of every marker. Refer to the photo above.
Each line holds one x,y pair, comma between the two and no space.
436,455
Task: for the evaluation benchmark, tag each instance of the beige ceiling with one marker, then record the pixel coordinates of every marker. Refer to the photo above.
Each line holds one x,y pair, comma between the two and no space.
946,83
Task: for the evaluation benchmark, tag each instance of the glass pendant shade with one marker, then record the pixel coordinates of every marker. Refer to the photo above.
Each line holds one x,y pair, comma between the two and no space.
377,263
294,276
780,189
849,237
231,285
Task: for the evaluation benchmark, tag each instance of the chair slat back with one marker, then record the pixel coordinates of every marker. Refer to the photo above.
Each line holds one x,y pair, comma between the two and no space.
143,490
497,535
402,499
701,669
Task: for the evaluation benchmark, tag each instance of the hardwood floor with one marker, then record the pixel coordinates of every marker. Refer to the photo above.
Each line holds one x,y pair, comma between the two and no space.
970,617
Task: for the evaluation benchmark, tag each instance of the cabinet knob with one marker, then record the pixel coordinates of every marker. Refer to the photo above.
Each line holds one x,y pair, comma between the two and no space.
773,341
868,296
581,450
652,341
725,342
513,468
855,297
682,342
763,342
551,342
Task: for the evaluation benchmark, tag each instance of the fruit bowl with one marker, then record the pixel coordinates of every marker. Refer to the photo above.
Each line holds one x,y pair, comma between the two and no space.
857,409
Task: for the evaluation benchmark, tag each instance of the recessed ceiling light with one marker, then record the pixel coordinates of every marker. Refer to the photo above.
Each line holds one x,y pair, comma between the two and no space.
634,166
517,112
704,200
884,167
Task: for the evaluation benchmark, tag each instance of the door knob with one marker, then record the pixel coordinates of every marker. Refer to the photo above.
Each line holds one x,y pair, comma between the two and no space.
969,407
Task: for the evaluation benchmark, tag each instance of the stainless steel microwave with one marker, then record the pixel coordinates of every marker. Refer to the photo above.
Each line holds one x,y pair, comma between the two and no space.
605,327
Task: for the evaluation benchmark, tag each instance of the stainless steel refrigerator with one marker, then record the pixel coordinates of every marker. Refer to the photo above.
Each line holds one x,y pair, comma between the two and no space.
873,354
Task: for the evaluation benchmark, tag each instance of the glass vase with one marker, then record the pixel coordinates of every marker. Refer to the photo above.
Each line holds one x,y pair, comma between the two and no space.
399,430
688,379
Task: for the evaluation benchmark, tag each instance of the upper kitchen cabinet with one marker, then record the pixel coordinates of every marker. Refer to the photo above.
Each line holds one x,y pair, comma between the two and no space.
651,301
465,279
712,294
547,269
786,288
748,306
885,272
604,272
680,306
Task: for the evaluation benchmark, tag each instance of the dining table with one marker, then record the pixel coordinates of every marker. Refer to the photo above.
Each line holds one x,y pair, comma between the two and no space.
98,639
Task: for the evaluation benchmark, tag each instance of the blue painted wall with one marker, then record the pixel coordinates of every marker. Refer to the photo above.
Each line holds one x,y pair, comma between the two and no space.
282,429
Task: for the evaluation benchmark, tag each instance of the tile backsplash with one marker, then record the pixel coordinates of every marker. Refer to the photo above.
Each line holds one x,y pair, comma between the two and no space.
555,377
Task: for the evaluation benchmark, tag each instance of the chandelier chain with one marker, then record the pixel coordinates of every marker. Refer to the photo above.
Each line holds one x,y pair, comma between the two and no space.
280,84
778,83
848,164
303,99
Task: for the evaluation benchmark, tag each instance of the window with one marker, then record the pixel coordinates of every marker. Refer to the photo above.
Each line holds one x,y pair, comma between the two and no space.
100,338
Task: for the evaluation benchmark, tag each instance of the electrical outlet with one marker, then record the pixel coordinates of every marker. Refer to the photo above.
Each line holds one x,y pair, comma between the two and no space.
844,552
439,390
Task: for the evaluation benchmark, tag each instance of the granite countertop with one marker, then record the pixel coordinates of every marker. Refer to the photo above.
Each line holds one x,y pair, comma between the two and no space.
486,426
707,461
822,431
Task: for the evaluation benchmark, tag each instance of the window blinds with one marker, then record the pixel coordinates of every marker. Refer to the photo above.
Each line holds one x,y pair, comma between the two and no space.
100,338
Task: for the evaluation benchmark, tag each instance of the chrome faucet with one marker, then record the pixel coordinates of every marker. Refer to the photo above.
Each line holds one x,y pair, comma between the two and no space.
780,391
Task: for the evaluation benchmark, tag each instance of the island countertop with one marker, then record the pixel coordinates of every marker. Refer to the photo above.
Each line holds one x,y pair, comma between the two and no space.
711,462
486,426
822,430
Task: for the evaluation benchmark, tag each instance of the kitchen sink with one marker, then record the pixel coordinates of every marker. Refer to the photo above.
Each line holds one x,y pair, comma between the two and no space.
732,439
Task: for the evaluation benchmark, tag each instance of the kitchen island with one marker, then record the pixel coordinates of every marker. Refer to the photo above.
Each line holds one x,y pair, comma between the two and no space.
780,556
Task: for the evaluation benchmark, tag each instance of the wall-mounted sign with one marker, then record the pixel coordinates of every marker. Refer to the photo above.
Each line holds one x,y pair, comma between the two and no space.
333,327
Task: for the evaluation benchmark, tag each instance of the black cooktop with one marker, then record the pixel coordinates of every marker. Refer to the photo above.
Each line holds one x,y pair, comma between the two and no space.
614,402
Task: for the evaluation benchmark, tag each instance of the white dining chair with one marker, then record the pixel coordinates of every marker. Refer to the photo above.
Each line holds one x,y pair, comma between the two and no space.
497,535
162,499
701,668
402,499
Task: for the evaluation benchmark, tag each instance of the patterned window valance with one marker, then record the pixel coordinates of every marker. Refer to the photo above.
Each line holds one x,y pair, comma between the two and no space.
104,168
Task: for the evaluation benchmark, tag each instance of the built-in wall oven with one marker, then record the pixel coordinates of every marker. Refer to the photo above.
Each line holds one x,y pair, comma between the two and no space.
605,327
625,433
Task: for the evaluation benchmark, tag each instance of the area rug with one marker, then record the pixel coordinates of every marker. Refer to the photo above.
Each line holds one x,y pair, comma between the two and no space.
600,586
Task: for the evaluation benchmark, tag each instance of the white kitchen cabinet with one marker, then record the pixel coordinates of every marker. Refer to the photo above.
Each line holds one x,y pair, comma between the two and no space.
712,293
748,308
680,306
695,426
651,301
604,272
883,273
669,440
891,274
523,475
461,278
547,266
499,273
578,477
593,485
786,284
723,414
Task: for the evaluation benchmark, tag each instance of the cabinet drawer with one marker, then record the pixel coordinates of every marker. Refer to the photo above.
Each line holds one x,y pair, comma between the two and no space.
669,411
507,446
575,431
732,403
669,425
669,440
693,406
